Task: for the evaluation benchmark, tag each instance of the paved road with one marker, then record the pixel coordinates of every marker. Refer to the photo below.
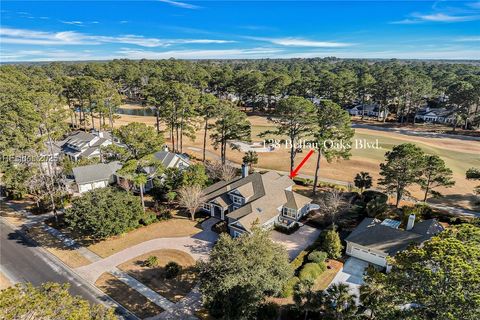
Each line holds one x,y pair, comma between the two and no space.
22,261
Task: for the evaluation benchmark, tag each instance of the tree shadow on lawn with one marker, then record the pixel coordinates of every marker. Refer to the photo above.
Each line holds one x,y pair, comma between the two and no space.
127,297
173,289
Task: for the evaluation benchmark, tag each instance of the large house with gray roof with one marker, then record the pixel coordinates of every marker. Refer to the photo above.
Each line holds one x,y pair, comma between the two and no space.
374,240
264,199
168,160
80,144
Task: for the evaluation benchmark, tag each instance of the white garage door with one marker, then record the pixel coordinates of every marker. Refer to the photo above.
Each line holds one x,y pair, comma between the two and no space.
84,187
368,256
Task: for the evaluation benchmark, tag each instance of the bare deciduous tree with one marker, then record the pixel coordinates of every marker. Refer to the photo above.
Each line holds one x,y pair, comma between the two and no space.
333,203
191,198
217,170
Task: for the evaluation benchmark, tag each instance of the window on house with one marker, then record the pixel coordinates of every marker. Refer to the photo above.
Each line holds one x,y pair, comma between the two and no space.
237,200
236,233
206,206
289,212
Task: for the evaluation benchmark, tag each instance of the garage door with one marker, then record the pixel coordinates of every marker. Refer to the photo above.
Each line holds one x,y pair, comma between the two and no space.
368,256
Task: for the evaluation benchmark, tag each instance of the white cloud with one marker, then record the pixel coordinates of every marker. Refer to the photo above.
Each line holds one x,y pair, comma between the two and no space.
469,39
180,4
200,54
441,17
450,54
32,37
416,18
74,23
62,55
299,42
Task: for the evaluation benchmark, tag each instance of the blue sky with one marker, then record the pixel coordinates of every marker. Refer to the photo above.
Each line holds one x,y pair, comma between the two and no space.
98,30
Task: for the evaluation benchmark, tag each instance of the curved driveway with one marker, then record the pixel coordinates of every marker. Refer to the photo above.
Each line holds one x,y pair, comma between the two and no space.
198,246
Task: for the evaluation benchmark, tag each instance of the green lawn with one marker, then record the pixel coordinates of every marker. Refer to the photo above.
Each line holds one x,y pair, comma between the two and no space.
458,161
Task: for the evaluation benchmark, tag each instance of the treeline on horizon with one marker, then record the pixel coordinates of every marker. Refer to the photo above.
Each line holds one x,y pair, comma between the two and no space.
400,86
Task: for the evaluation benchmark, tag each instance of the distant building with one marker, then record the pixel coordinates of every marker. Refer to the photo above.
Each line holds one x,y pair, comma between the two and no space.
168,160
80,144
265,199
95,176
371,110
435,115
172,160
373,240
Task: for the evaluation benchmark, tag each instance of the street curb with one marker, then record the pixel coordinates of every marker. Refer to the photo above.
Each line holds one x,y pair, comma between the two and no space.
116,305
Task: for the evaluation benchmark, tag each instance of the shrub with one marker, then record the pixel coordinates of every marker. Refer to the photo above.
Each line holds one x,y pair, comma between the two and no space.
164,214
104,212
287,230
289,286
151,261
298,261
299,181
375,207
331,244
371,194
172,269
310,271
317,256
220,227
149,217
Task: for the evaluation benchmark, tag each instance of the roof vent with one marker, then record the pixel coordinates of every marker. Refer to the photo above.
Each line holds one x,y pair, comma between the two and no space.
259,210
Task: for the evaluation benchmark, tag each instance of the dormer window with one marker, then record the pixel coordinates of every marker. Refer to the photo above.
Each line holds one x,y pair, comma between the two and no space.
289,212
237,200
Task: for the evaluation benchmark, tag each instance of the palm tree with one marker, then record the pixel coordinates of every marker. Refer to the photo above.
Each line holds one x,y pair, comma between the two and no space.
372,292
339,302
371,295
306,298
139,180
363,181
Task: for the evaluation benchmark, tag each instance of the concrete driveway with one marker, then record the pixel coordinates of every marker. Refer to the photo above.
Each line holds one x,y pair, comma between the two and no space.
298,241
352,274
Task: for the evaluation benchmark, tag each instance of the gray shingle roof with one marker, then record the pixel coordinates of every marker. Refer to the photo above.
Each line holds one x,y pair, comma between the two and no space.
372,234
267,193
167,158
95,172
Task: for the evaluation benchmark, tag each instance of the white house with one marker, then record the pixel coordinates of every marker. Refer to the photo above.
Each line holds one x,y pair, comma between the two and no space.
371,110
95,176
80,144
265,199
437,115
373,240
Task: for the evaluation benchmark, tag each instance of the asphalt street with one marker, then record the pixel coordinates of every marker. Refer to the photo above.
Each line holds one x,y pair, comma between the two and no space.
22,261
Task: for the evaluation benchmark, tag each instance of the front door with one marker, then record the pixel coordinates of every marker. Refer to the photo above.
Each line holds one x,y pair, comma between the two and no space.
217,212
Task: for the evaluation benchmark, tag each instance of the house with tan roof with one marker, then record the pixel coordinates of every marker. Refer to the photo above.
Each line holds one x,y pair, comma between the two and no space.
266,199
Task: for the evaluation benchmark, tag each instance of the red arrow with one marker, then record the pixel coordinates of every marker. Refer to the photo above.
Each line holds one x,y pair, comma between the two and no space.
294,172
